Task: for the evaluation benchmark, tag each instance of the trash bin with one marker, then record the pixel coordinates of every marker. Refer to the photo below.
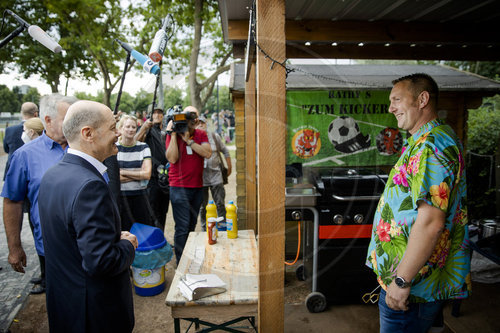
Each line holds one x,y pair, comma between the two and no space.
153,252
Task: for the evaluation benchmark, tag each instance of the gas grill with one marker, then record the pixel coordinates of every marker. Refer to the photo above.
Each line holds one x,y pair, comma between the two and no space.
336,233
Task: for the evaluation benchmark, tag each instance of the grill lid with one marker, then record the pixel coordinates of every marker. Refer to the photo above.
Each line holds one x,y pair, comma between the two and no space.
342,184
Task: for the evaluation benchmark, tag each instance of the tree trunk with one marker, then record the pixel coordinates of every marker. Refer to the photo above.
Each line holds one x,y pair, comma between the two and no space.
193,61
106,97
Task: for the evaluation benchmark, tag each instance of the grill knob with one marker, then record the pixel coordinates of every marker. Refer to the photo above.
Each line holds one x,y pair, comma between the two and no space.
296,215
359,218
338,219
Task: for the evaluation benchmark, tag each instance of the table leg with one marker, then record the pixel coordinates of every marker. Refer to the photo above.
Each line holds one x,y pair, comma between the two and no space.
177,325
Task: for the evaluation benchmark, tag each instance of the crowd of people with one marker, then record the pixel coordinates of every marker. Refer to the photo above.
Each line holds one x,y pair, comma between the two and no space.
59,171
418,250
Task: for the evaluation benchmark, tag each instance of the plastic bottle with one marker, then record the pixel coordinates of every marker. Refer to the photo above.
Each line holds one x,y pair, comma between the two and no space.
212,230
231,220
211,212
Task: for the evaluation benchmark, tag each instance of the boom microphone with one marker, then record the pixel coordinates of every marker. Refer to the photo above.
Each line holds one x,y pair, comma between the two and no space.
38,34
146,63
160,41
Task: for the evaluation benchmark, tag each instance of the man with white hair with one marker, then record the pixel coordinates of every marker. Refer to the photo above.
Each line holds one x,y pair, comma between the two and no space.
88,257
22,181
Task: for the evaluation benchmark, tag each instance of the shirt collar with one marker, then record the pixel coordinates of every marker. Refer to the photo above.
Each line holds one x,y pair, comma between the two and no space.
425,129
92,160
50,143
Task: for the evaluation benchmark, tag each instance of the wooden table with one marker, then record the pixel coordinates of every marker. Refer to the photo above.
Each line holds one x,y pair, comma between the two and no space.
235,262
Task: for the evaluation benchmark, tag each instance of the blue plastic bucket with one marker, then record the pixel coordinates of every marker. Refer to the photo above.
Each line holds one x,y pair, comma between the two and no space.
148,281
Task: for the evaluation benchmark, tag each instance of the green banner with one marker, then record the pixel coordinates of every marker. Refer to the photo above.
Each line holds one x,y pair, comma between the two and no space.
341,128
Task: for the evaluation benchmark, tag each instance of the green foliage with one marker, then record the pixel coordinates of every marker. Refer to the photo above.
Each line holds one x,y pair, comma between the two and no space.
30,57
173,96
484,127
490,69
8,100
128,103
86,30
11,100
483,142
32,96
225,102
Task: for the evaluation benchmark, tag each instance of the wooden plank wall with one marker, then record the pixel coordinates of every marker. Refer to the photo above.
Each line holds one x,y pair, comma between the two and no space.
250,149
239,130
271,132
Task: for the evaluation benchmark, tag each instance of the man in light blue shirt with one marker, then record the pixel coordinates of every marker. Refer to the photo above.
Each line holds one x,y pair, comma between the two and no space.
27,166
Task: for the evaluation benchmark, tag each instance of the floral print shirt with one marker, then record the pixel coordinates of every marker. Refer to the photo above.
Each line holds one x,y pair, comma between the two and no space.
431,168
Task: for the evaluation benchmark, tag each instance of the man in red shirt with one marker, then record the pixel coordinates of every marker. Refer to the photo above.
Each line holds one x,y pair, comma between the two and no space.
186,153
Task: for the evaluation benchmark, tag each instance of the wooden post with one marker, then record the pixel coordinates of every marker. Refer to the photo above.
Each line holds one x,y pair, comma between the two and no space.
250,158
271,132
497,176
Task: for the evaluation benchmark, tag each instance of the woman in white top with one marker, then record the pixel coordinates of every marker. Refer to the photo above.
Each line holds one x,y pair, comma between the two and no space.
134,160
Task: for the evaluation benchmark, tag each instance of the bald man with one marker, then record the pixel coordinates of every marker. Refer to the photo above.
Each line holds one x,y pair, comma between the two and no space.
87,256
186,153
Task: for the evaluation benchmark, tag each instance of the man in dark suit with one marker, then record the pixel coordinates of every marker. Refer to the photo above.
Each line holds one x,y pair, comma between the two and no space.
12,138
87,257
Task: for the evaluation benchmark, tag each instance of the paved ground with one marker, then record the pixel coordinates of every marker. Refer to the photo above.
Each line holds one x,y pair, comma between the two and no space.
14,287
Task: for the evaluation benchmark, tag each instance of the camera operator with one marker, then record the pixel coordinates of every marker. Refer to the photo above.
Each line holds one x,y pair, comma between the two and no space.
187,147
158,187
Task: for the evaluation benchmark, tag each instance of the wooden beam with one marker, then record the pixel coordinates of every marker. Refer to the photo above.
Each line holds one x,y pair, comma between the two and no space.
250,158
271,134
399,52
378,31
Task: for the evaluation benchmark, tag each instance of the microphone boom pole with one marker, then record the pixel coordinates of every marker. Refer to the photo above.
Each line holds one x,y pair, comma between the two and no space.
11,36
125,68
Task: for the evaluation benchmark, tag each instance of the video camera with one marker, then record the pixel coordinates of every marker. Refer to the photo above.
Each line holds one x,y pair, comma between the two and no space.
179,118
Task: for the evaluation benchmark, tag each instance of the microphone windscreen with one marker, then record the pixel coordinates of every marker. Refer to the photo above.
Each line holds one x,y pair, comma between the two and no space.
146,63
41,36
158,47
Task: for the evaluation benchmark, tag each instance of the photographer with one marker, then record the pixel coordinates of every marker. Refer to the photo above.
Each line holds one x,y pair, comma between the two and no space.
187,147
158,187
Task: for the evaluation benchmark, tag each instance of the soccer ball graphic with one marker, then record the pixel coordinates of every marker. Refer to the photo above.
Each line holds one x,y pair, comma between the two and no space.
345,135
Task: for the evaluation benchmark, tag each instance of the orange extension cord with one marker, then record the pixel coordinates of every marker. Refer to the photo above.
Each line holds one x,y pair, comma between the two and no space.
298,251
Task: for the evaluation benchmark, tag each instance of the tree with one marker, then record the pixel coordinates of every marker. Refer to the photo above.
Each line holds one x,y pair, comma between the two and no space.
489,69
197,45
142,100
483,143
173,96
8,100
30,57
93,26
32,96
484,127
225,102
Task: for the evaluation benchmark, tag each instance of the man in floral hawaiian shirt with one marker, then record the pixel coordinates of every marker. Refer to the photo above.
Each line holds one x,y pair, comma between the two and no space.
419,247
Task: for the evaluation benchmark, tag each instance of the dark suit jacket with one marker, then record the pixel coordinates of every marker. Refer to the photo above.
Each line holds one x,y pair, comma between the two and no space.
87,265
11,142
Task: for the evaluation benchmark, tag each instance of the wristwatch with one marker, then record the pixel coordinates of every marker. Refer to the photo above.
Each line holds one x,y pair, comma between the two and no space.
401,282
190,142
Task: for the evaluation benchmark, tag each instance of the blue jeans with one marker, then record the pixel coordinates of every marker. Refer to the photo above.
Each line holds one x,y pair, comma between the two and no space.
418,319
186,204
